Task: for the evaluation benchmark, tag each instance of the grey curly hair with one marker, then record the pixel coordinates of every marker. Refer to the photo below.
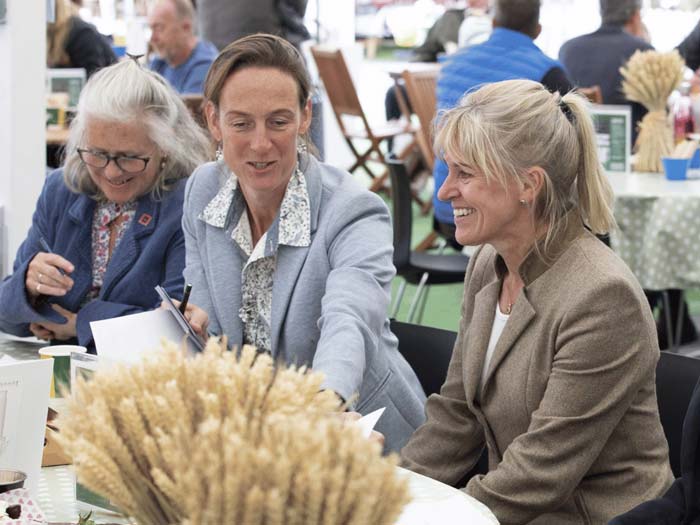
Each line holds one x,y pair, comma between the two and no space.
127,92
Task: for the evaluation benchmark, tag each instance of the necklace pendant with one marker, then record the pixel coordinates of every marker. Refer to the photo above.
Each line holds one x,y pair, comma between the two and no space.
509,308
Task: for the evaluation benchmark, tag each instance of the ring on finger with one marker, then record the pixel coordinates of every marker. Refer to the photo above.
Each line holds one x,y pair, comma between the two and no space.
38,285
40,276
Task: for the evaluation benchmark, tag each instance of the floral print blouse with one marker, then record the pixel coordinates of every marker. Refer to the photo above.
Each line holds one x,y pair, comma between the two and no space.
291,227
104,216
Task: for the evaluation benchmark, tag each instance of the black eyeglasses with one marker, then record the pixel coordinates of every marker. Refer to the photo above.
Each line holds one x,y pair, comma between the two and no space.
126,163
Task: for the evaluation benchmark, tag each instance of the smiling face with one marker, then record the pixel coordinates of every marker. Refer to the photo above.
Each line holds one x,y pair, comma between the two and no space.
484,211
121,138
258,122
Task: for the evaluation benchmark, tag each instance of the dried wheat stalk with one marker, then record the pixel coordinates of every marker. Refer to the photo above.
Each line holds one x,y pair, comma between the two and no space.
649,77
223,438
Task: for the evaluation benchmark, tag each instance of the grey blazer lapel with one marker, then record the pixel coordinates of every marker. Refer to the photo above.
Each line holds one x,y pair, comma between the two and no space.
226,294
290,261
479,334
519,319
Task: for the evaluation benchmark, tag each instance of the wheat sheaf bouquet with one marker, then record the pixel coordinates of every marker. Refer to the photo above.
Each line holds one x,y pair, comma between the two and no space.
649,77
225,438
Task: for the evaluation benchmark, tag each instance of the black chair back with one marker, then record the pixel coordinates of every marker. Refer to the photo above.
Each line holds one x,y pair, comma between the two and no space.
428,350
402,213
676,377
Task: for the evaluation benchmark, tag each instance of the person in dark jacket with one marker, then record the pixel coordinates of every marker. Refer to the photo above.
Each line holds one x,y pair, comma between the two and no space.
681,503
690,48
595,59
73,43
106,229
224,21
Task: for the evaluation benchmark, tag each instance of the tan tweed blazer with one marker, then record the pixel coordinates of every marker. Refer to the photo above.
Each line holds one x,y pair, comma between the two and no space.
568,407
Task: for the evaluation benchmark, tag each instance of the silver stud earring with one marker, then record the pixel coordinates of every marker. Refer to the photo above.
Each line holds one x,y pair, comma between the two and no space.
523,202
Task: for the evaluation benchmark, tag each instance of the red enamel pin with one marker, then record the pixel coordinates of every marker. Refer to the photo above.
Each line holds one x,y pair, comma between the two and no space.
145,219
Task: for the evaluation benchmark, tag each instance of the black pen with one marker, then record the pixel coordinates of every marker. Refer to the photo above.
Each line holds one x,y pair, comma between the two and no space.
47,249
185,297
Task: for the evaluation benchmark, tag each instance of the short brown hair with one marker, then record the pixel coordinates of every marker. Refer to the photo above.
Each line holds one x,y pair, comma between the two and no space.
518,15
258,50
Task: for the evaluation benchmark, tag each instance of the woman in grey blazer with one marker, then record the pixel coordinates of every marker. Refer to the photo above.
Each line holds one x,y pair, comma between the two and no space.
286,253
553,368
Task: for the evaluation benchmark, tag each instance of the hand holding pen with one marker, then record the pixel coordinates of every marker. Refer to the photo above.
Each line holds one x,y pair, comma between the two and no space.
185,297
46,274
194,315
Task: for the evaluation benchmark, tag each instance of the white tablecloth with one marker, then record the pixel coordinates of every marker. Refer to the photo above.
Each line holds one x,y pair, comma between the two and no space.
435,503
658,233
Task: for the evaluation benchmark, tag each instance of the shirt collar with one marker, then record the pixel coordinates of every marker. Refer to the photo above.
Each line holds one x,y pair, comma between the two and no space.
294,218
108,210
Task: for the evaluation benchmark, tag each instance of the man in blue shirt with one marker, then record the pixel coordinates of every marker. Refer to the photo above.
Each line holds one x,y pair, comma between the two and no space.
509,53
183,59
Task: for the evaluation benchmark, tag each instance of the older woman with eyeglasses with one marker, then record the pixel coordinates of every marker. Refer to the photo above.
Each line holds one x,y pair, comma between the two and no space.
106,229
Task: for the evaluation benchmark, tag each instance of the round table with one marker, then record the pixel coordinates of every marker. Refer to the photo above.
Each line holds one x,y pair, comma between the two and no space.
658,233
434,503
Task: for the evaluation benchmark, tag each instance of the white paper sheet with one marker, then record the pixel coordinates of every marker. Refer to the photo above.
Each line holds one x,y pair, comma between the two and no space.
127,338
368,422
7,360
30,339
24,395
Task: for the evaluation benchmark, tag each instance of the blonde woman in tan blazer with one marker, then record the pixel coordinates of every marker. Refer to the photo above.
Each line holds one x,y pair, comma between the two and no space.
553,369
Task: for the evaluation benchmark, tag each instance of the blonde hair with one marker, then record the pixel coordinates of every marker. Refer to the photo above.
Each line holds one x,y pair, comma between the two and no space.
505,128
128,92
57,33
225,438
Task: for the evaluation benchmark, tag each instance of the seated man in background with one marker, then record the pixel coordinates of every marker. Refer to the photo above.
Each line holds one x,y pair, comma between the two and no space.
441,38
690,51
509,53
595,59
182,59
457,27
477,25
690,48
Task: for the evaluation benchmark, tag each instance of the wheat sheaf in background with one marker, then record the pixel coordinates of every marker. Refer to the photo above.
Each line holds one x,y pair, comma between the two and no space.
222,438
649,77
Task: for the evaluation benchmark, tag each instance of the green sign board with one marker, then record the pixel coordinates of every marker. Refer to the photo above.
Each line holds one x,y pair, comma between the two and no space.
613,125
68,80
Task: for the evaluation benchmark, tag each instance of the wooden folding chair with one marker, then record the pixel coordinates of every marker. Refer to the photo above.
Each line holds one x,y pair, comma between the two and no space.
592,93
195,105
420,88
351,118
